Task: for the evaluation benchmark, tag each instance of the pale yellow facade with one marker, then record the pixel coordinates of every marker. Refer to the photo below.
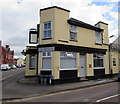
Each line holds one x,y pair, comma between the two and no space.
60,35
115,55
28,71
61,30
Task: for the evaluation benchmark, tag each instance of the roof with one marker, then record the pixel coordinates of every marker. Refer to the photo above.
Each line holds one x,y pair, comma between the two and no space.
117,41
101,22
54,7
76,22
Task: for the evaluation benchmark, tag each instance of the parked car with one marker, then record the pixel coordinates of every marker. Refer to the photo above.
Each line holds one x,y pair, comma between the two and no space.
23,65
5,67
13,67
18,66
119,76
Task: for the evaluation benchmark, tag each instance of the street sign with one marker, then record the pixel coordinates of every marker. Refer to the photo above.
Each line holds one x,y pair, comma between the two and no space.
51,77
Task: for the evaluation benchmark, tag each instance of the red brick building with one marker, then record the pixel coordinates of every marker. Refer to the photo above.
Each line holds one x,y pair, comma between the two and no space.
6,55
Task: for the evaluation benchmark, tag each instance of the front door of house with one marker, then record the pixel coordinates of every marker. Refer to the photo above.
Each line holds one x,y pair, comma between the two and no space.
82,65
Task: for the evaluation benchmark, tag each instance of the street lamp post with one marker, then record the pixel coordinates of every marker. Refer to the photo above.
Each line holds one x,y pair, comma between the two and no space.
110,70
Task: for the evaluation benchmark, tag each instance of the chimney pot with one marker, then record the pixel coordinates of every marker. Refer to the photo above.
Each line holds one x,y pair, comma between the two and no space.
7,46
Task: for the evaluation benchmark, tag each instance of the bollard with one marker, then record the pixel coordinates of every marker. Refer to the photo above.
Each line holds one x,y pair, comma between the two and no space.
45,81
50,81
41,80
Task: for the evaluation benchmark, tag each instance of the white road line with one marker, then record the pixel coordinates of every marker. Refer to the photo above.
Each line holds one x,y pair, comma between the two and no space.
107,98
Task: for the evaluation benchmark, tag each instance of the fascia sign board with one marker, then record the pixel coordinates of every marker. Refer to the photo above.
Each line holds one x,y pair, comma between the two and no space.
46,49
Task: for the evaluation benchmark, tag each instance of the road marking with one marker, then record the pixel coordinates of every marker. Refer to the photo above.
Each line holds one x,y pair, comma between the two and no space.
1,79
106,98
53,94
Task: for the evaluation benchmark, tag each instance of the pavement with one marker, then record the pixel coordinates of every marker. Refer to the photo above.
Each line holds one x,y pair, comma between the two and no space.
67,86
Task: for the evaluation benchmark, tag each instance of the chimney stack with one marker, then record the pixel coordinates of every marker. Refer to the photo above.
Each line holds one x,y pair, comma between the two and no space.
7,46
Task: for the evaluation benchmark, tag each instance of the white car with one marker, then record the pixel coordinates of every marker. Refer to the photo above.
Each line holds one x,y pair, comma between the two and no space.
5,67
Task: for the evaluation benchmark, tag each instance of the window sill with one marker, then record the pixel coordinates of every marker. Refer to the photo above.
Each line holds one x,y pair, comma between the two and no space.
99,67
32,68
98,43
46,69
69,69
73,40
46,38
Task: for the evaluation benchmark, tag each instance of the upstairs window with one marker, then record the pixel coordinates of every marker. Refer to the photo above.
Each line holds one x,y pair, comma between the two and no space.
98,38
47,30
73,33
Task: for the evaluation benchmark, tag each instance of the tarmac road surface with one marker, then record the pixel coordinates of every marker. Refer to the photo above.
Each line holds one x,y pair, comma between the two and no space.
100,93
12,91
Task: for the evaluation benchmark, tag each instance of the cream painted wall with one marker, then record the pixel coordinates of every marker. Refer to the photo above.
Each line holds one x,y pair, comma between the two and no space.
61,25
55,64
116,56
60,30
105,33
78,64
39,62
46,16
89,65
106,63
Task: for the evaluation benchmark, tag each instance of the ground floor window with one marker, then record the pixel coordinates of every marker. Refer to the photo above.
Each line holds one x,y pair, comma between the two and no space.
33,61
46,60
98,61
67,60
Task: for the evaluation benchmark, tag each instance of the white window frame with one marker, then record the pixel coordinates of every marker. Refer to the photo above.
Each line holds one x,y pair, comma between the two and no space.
98,37
35,56
101,57
73,32
65,56
47,30
47,56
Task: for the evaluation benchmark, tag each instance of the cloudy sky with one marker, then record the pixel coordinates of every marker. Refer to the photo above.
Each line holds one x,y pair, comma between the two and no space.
18,16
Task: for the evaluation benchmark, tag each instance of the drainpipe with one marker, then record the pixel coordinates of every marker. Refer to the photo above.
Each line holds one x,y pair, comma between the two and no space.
109,60
110,70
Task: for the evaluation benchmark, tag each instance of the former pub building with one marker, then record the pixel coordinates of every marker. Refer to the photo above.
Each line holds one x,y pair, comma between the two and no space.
68,49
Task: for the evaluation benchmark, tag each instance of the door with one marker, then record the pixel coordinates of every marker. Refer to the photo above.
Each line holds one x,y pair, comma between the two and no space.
82,65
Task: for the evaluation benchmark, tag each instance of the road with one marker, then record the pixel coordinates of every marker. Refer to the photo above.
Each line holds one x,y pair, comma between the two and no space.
12,91
9,73
101,93
10,77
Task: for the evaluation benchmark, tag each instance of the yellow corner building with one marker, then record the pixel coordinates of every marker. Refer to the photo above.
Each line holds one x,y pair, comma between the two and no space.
68,50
